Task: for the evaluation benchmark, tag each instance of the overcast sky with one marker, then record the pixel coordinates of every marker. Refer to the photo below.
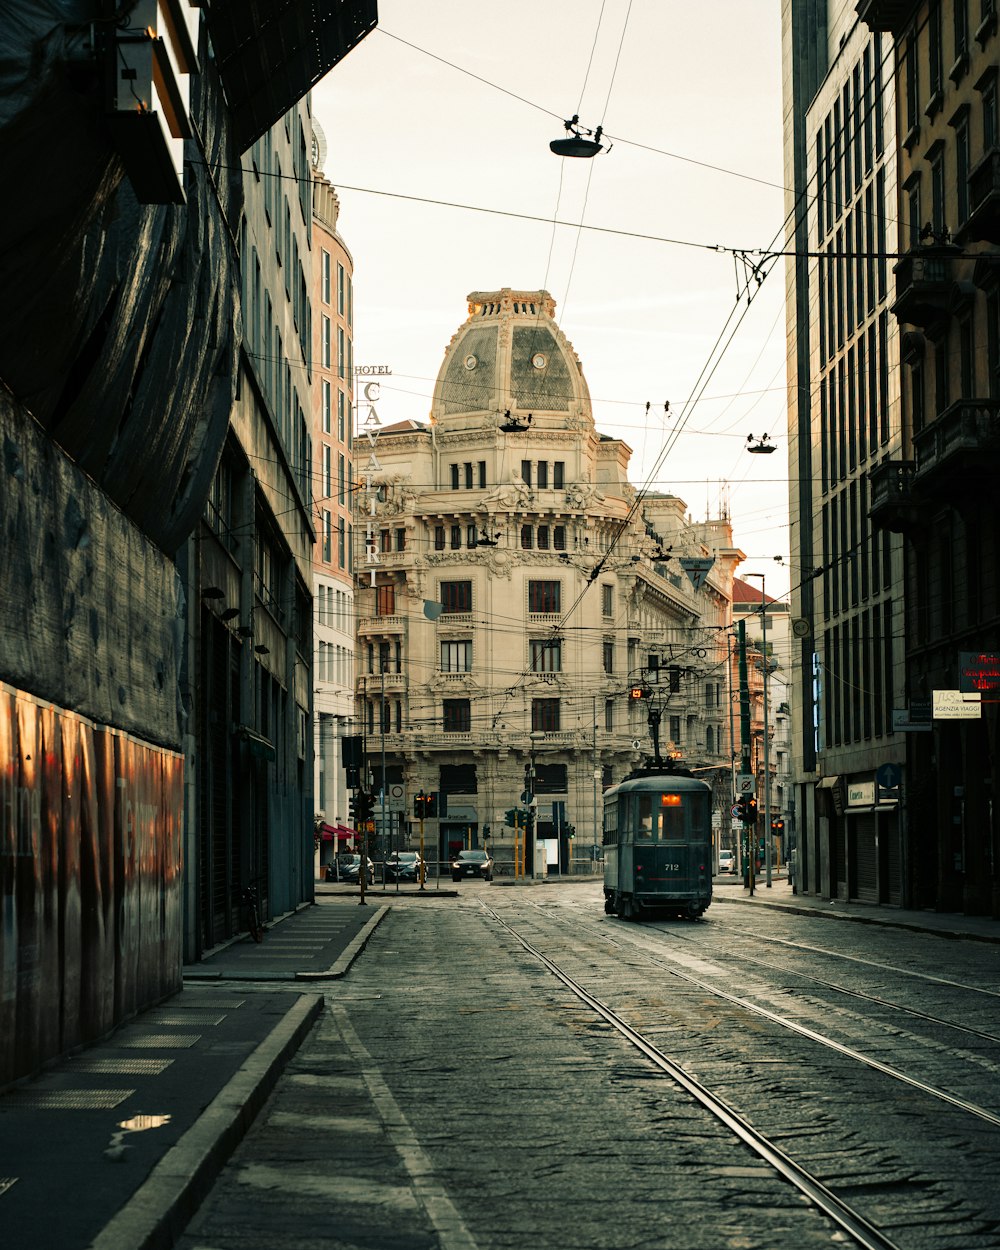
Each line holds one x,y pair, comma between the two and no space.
464,118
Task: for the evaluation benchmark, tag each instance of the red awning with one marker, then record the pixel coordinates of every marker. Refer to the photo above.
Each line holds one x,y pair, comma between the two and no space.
326,832
343,833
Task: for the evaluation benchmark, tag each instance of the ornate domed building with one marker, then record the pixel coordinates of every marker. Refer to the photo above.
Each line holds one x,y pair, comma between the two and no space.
511,592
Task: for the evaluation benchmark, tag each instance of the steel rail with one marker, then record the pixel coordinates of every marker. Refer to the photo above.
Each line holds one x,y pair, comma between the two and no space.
846,1218
869,998
932,1091
870,963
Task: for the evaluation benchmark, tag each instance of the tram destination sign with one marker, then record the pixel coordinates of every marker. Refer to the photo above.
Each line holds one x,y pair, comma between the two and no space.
980,670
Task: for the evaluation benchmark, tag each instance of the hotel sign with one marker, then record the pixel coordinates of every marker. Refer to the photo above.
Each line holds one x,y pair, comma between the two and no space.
979,670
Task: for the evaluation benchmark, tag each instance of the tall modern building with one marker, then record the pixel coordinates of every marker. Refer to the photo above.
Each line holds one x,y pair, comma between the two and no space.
847,596
937,485
333,488
514,590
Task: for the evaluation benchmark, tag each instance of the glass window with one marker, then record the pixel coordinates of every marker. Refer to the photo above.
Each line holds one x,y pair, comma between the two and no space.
543,474
545,715
527,537
327,340
326,276
457,716
559,537
546,655
607,601
526,471
439,538
542,538
456,657
326,391
340,287
558,470
482,474
468,476
385,600
456,537
456,596
609,657
609,715
543,596
454,476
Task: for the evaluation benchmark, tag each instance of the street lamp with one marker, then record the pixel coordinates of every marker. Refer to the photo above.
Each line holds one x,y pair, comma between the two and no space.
767,736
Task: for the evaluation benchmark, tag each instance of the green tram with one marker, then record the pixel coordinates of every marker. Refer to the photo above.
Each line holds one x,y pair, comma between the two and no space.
658,845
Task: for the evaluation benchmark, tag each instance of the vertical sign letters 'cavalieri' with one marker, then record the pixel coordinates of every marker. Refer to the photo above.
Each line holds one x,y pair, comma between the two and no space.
370,427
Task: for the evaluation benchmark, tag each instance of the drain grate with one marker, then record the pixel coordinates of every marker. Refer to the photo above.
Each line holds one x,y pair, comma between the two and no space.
159,1041
202,1018
123,1067
66,1099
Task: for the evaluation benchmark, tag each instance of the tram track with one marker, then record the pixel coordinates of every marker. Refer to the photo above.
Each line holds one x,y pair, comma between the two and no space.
849,1220
602,934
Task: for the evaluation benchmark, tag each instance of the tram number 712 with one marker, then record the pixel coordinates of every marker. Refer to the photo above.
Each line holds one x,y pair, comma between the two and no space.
672,867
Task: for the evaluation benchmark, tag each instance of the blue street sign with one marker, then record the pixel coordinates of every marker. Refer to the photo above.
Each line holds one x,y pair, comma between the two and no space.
889,776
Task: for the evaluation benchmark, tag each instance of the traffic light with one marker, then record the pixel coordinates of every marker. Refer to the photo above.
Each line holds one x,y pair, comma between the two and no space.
751,809
777,826
510,817
362,803
570,831
639,692
741,808
425,806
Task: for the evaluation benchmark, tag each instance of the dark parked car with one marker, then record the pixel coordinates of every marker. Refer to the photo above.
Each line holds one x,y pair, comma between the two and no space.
403,866
472,864
348,868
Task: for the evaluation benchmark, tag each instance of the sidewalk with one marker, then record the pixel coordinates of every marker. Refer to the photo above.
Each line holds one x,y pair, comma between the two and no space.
114,1147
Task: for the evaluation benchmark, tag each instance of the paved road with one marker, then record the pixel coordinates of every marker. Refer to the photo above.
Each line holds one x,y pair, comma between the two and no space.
453,1095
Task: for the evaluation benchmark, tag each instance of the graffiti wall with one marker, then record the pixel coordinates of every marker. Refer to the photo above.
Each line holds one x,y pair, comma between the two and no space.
90,879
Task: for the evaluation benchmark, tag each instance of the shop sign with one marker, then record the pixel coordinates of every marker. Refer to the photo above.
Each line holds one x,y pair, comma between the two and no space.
955,705
979,670
861,793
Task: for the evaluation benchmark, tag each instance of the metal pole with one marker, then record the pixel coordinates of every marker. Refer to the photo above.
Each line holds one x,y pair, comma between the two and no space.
597,771
767,740
381,825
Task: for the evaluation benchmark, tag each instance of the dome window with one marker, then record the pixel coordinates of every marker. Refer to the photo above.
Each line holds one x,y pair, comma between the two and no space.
471,361
539,360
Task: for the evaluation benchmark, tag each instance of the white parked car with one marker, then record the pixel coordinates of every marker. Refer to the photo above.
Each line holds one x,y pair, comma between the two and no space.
727,861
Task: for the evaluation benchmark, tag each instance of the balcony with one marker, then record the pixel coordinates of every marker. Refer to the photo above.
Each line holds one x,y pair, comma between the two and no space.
885,15
891,504
984,200
924,284
381,625
958,453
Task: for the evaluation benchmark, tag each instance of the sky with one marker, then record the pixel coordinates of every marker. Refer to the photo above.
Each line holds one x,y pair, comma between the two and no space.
438,127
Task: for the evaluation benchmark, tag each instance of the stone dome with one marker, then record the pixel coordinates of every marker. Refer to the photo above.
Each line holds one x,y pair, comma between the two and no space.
511,355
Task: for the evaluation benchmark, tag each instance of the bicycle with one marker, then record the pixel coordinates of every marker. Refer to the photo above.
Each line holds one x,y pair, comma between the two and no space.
250,898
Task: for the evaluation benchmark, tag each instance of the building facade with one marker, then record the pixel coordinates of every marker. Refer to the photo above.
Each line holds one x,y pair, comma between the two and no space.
847,595
513,589
937,488
333,488
249,575
768,659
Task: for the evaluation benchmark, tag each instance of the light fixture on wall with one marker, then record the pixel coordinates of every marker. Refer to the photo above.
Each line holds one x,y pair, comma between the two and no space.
213,592
230,614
